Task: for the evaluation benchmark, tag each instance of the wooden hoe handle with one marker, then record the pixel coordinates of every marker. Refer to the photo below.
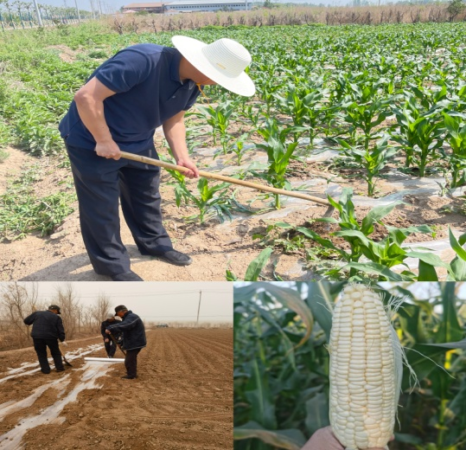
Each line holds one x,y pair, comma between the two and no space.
213,176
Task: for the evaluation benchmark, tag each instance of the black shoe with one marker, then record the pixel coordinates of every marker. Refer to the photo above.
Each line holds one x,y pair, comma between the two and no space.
45,373
127,276
126,377
173,257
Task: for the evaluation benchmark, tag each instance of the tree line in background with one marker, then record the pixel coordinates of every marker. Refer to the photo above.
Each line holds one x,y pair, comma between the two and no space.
17,302
16,14
291,15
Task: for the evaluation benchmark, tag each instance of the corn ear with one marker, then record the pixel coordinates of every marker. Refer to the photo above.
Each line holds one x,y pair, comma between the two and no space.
366,369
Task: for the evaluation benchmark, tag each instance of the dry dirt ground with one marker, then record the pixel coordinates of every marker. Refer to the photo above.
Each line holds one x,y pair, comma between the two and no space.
182,399
214,247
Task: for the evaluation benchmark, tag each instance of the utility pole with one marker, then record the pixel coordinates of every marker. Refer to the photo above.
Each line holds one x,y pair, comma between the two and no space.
199,307
92,8
39,18
77,10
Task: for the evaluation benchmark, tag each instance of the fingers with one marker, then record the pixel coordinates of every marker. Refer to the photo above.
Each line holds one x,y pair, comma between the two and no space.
108,150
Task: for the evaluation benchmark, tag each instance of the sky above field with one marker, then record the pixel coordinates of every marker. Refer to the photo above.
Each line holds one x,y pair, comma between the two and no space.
154,301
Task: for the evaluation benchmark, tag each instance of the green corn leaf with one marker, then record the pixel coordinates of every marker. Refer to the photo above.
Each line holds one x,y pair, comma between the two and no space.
292,300
378,269
375,215
317,413
284,439
459,250
259,396
450,329
255,267
427,272
320,301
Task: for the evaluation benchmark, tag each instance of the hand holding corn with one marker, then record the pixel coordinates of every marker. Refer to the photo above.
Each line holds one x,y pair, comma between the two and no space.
324,439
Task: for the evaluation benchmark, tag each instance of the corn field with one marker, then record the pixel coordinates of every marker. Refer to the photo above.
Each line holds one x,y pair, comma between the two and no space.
281,367
389,101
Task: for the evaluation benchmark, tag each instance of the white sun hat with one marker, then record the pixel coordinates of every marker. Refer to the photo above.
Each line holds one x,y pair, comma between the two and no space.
223,61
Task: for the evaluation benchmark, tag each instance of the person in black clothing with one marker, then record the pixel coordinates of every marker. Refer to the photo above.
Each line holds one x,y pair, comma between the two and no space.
110,346
47,329
134,338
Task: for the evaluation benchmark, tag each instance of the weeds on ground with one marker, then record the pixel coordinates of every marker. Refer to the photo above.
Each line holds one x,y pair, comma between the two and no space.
22,212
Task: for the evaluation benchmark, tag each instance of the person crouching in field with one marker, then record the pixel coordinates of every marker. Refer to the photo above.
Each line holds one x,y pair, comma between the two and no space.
47,329
142,87
110,346
134,338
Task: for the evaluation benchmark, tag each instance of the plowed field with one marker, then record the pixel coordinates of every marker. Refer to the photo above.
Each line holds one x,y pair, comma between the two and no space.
182,398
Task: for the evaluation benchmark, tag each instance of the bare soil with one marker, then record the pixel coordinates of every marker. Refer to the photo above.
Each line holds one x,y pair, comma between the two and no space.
182,398
65,53
10,169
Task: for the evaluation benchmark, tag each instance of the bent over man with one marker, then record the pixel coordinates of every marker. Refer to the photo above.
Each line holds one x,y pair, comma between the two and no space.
134,338
141,88
110,346
47,329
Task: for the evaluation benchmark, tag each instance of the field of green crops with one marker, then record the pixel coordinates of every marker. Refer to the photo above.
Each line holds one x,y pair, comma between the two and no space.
281,367
391,100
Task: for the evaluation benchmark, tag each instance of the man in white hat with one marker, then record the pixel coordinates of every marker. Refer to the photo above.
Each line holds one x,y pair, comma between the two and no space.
139,89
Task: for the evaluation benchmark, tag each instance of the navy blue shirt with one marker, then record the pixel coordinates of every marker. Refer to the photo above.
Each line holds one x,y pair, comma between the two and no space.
148,90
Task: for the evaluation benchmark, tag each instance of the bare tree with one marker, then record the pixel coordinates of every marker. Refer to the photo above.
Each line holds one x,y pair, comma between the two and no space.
17,303
67,300
100,310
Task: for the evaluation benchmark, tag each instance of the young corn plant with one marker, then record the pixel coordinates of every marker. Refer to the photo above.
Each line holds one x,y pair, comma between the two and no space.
181,190
382,254
211,201
420,134
373,160
364,108
219,119
305,107
238,148
279,153
267,87
456,138
365,117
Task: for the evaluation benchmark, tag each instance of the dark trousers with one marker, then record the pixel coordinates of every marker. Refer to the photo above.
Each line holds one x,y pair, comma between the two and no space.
99,183
40,346
131,362
110,348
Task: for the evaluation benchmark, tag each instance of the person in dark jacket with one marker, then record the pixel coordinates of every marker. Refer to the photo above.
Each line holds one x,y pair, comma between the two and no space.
47,329
110,346
134,338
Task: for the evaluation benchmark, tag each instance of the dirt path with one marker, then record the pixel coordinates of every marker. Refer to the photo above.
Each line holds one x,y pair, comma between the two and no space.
181,400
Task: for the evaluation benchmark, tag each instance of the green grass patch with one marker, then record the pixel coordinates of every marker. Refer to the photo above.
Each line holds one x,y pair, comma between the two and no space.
23,212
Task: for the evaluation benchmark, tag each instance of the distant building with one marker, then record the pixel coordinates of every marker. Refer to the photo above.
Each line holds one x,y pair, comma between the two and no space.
149,7
207,5
178,6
